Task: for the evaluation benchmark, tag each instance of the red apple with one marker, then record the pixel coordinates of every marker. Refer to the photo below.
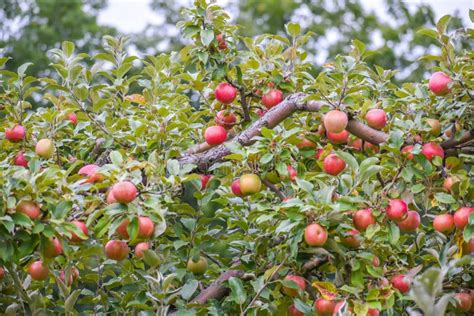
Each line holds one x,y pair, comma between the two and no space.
73,275
235,187
45,148
401,283
293,311
338,138
204,180
122,229
356,144
406,151
225,93
397,210
443,223
82,226
371,148
15,134
53,248
335,121
410,223
225,119
352,240
315,235
260,112
292,173
435,126
449,182
430,150
463,302
299,282
305,143
272,98
333,165
375,261
20,160
116,250
124,192
2,273
439,83
376,118
319,153
373,312
363,219
38,271
91,172
29,208
215,135
461,217
110,198
250,184
140,248
146,227
324,307
221,43
340,306
71,116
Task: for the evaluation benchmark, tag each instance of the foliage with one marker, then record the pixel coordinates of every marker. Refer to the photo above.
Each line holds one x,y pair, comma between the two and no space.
140,138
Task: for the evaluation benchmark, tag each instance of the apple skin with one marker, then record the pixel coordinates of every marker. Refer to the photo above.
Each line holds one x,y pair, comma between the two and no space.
140,248
397,210
468,247
221,43
146,227
15,134
299,282
373,312
292,173
122,229
215,135
2,273
464,302
20,160
45,148
338,138
406,151
53,248
305,143
91,172
399,282
371,148
110,199
352,240
324,307
235,187
260,112
339,306
293,311
461,217
443,223
73,275
333,164
72,117
449,182
124,192
430,150
29,208
435,126
376,118
375,261
356,144
272,98
225,119
439,82
82,226
116,250
225,93
319,152
315,235
410,223
363,219
198,267
250,184
335,121
204,180
38,271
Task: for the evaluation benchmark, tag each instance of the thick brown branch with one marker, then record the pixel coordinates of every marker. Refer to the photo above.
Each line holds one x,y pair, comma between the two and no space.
450,143
366,133
314,263
245,107
272,187
217,290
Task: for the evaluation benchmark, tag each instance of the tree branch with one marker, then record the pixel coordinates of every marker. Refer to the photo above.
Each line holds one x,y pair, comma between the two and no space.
216,290
272,187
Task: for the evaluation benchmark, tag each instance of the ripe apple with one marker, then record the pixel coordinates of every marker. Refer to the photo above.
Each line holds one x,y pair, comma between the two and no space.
110,198
20,160
397,210
250,184
338,138
146,227
439,83
272,98
315,235
91,172
221,43
333,165
468,247
319,152
38,271
430,150
292,173
122,229
204,180
371,148
260,112
464,302
363,219
197,267
324,307
443,223
305,143
82,226
356,144
335,121
435,126
140,248
29,208
401,283
461,217
410,223
375,261
235,187
449,182
373,312
15,134
299,282
215,135
2,273
124,192
225,93
293,311
225,119
340,306
376,118
352,240
116,250
45,148
53,248
71,116
73,275
406,151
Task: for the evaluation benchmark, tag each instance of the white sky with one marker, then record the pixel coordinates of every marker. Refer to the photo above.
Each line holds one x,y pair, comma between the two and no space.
130,16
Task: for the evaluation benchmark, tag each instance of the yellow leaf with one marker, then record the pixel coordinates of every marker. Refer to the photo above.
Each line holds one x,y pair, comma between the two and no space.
136,98
459,242
327,289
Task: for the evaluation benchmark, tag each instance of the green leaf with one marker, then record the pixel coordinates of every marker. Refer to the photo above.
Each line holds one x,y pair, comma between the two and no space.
238,293
172,166
62,209
207,36
305,185
302,306
349,159
428,32
443,23
189,288
22,69
71,301
444,198
68,48
471,15
293,29
116,158
394,234
151,258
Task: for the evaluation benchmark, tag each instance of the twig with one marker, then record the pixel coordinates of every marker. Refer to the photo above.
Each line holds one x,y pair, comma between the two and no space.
272,187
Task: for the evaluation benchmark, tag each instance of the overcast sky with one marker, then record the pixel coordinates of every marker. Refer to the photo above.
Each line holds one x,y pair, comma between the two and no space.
130,16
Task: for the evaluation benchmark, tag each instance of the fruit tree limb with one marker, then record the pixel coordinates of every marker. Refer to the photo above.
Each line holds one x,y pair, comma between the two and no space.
217,290
272,187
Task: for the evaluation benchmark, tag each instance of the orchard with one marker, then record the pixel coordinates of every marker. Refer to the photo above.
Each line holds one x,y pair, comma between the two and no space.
231,178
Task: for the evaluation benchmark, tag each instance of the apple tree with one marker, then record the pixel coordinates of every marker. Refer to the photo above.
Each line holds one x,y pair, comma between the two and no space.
231,179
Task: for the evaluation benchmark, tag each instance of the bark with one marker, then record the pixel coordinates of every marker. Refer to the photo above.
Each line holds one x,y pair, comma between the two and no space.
217,290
